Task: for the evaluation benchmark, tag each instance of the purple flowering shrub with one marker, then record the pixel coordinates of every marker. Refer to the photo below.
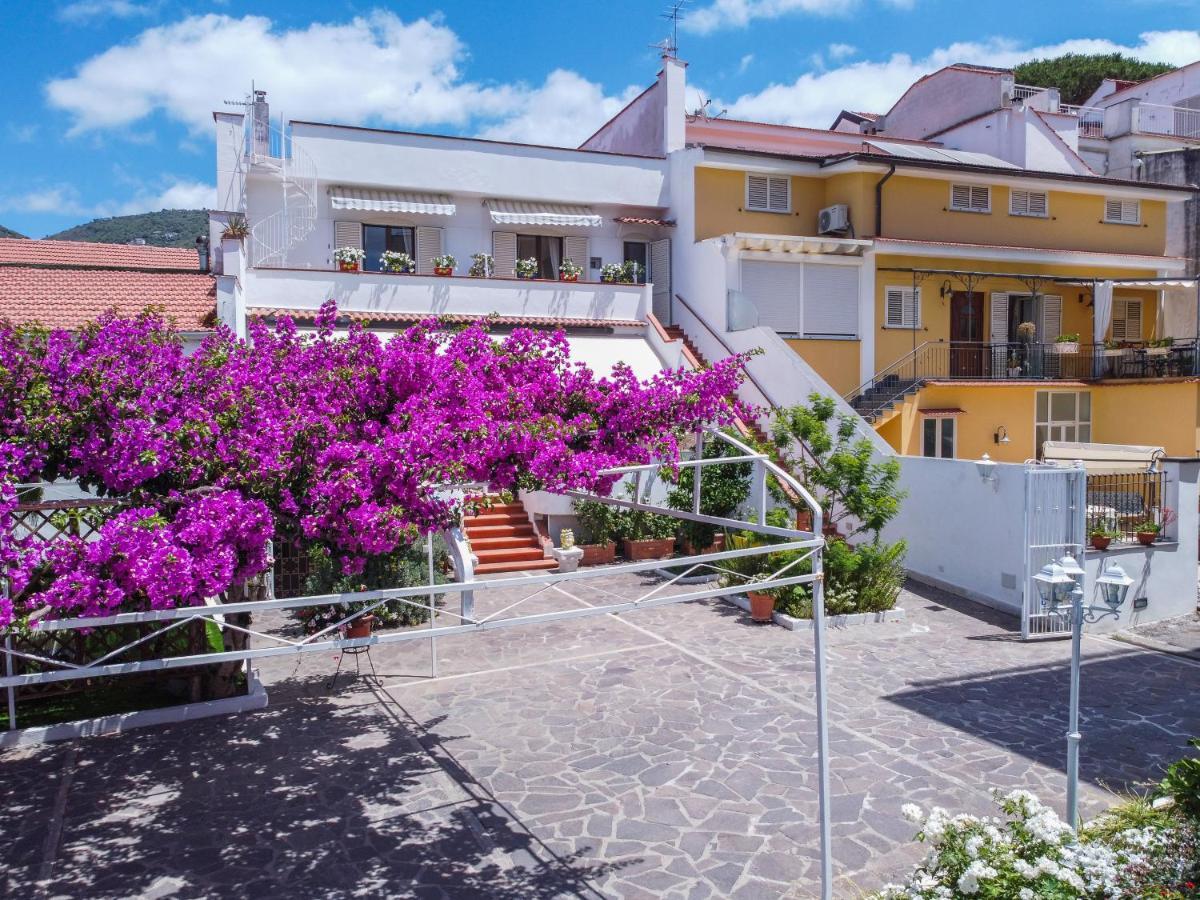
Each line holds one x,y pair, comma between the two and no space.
344,439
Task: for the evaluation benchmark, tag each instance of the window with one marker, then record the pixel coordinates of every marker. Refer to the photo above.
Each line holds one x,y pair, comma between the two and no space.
377,238
1122,212
1028,203
637,252
546,249
1062,416
971,198
902,307
937,437
768,193
1127,319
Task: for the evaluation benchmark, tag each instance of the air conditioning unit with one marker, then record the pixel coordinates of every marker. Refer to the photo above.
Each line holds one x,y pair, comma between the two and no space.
833,219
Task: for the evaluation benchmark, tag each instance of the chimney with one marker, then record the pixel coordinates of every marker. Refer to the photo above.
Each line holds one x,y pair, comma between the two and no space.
261,117
202,252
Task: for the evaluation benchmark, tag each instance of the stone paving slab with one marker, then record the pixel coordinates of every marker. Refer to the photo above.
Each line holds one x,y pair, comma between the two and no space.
665,753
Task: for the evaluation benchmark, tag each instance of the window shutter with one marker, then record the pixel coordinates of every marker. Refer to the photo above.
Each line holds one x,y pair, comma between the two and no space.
960,196
429,245
981,197
774,289
1127,320
660,275
1123,212
1039,204
971,197
902,307
779,201
830,301
756,191
347,234
768,194
999,320
576,249
504,253
1027,203
1051,319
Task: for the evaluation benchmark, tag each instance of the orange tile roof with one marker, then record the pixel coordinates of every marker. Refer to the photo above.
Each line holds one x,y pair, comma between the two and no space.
463,318
84,254
69,298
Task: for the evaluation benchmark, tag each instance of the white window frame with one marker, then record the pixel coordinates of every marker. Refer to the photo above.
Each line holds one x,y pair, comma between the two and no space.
1052,423
971,207
903,326
1012,208
937,436
769,178
1123,220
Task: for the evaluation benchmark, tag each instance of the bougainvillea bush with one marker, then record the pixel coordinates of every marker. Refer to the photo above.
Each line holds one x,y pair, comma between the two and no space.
344,438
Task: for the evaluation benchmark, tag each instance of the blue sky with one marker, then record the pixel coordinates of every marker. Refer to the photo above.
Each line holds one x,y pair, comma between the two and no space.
110,101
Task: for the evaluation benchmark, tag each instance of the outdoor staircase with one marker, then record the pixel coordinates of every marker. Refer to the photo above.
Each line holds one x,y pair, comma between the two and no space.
503,540
883,396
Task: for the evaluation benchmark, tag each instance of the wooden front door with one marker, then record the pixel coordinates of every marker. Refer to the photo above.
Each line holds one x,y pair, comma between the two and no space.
968,355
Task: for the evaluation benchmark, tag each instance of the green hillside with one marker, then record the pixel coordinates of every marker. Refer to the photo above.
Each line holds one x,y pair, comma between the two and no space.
165,228
8,232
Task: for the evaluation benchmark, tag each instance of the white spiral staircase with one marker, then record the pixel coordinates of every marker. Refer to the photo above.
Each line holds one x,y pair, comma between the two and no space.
271,237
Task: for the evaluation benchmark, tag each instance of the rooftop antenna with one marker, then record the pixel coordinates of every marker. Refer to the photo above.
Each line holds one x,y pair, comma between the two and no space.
670,44
701,111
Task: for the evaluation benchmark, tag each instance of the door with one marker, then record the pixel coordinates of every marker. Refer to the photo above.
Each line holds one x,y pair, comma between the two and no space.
639,252
966,335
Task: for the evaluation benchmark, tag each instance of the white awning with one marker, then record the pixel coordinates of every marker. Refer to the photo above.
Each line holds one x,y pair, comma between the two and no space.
772,243
1157,283
1101,459
370,200
528,212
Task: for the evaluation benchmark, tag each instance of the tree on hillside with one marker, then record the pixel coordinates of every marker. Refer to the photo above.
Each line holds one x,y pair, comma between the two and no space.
9,233
1077,75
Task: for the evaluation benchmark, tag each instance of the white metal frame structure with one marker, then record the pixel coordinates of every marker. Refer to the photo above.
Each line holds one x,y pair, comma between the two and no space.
1055,526
809,544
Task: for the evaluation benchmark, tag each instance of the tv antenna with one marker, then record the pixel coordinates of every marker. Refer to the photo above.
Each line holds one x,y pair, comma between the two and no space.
701,111
670,44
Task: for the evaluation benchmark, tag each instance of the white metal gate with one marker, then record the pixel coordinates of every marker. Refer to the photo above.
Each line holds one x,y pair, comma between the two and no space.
1055,517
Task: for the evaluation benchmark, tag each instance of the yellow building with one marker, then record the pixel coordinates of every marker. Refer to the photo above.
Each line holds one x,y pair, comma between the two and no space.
961,304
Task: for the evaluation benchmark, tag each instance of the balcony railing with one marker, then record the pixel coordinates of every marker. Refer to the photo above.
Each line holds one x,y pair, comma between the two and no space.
1118,503
1091,119
1176,121
1025,91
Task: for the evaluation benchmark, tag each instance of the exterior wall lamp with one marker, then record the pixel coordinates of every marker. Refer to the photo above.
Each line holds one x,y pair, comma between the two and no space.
1114,585
986,467
1001,435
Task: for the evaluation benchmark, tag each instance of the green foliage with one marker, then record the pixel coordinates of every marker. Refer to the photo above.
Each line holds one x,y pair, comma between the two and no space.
868,576
1077,75
838,470
603,524
1182,783
1135,812
723,489
639,525
598,521
9,233
165,228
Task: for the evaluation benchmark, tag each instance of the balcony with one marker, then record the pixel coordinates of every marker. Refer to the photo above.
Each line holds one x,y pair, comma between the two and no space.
1173,121
387,295
1091,119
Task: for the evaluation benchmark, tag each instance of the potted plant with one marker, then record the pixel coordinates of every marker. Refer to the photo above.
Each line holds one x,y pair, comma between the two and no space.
746,572
1112,348
444,265
631,271
612,272
482,265
599,522
646,535
397,261
349,259
569,270
1101,536
1147,531
1159,346
1026,332
1013,367
360,627
1067,343
526,268
236,228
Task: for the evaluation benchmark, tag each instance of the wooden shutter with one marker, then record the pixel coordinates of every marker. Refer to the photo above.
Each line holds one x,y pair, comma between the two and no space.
774,289
504,253
1122,212
347,234
429,245
576,249
1051,325
901,307
1127,319
1027,203
660,275
830,301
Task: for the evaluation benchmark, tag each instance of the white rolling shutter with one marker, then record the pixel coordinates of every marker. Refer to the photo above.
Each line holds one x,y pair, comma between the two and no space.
902,307
1127,319
504,253
429,245
576,249
774,289
1051,326
660,275
830,301
347,234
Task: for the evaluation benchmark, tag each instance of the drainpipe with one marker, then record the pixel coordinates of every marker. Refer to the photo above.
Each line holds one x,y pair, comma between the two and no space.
879,199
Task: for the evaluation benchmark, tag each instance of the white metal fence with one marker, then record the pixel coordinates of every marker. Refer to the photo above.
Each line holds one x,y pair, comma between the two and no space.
1176,121
1055,523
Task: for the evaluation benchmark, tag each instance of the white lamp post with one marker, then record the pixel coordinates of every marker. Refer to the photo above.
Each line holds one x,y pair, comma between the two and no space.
1059,584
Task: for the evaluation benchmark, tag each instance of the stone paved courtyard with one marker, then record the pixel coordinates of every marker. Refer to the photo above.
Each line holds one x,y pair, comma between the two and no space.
667,753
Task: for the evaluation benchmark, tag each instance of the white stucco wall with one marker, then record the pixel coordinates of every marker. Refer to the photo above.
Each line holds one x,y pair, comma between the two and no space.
943,99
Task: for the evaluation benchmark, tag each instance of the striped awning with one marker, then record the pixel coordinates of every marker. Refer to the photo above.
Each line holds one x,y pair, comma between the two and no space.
529,212
942,412
370,200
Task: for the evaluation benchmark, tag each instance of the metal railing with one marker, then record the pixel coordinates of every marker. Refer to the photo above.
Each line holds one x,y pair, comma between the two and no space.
1025,91
1178,121
1091,118
1142,359
1118,503
272,236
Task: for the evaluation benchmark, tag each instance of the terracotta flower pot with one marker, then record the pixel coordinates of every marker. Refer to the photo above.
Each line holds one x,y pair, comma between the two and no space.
804,520
597,554
1147,537
762,606
361,627
347,266
656,548
717,545
568,277
1100,542
443,271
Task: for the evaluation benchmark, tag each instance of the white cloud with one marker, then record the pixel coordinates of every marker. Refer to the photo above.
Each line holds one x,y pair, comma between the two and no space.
744,63
815,98
22,134
841,51
740,13
62,199
178,195
375,68
89,10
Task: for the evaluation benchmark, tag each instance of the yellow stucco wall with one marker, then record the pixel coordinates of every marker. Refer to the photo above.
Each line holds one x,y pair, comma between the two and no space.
893,343
835,361
721,200
1165,414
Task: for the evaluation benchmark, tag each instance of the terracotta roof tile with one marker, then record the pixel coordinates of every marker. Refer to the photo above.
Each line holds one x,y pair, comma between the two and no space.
68,298
467,318
73,254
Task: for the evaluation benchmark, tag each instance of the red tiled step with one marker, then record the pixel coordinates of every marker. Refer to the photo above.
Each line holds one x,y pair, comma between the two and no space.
499,543
516,566
494,519
492,531
508,554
